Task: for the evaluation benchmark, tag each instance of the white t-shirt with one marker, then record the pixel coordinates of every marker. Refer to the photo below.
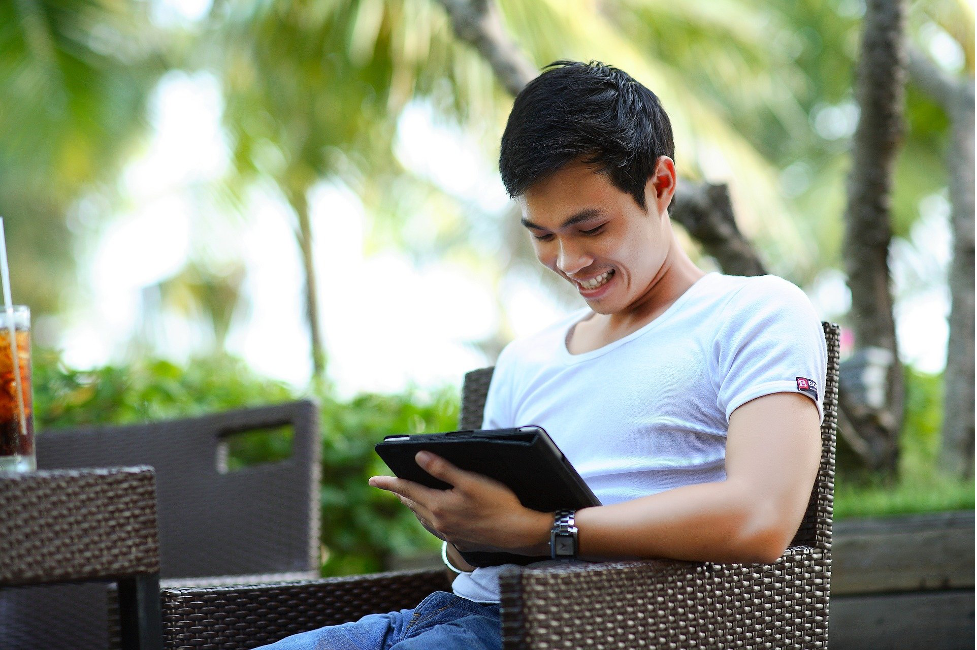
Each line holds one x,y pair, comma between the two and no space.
649,412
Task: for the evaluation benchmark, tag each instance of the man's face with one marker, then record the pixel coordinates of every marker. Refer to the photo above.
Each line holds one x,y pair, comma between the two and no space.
597,237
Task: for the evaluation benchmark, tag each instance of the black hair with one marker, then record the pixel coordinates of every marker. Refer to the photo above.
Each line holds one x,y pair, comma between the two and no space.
587,111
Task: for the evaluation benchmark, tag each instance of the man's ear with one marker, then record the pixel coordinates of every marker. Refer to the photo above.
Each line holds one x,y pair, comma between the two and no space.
661,185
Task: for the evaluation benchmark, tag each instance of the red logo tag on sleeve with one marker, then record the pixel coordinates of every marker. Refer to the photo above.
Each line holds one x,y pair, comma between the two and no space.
807,386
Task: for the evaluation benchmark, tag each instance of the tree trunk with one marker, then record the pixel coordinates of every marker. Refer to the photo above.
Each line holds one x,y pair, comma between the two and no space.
957,452
478,23
957,99
303,234
704,210
873,401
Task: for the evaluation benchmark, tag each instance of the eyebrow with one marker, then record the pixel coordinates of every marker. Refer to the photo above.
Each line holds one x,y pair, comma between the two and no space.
583,215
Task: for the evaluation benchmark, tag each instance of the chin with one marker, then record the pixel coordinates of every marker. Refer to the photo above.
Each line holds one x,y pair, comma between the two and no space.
601,307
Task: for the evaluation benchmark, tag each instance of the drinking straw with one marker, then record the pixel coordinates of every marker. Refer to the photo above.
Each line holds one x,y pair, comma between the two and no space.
8,308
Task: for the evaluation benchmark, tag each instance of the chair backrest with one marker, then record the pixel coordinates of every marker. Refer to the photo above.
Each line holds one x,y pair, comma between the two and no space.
815,529
260,519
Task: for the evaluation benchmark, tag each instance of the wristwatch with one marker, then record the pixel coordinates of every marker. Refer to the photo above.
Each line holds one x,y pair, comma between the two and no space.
563,536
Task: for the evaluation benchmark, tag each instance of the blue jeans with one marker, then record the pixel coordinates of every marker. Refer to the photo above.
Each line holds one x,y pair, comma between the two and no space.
441,621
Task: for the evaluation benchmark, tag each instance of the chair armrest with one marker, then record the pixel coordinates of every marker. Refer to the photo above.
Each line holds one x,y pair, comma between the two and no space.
248,616
197,585
227,581
669,604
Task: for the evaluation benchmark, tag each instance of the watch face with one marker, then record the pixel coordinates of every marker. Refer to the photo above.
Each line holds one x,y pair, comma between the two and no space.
563,545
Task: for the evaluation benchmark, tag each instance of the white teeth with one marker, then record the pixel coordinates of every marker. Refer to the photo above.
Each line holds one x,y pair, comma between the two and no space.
593,283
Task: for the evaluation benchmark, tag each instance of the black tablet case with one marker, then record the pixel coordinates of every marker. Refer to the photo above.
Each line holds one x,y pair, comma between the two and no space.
525,459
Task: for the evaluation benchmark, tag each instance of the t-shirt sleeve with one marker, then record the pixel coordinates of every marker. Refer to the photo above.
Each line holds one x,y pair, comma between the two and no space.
770,341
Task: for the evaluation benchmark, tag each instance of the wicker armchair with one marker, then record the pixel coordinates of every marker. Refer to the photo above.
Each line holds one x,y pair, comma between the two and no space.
646,604
256,524
91,525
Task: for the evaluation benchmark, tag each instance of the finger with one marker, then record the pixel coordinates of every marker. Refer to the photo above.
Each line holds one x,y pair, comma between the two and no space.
419,511
412,506
422,516
458,478
442,469
416,492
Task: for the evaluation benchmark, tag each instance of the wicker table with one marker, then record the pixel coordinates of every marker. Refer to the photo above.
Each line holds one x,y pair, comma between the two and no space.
87,525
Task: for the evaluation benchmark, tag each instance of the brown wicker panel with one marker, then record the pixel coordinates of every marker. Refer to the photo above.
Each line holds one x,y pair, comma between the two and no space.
233,618
474,390
669,605
75,525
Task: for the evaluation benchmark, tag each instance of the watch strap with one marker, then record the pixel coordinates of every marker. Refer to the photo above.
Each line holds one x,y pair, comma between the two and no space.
563,535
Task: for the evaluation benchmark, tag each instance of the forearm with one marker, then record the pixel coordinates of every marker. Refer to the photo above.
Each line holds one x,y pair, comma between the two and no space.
719,522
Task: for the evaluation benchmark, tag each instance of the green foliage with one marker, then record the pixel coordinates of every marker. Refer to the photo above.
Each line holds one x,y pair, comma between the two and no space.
362,527
923,421
151,389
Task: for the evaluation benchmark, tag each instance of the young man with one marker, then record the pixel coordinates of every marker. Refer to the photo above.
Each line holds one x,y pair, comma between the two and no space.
688,402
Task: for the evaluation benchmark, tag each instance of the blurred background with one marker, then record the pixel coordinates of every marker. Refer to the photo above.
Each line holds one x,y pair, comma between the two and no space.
217,202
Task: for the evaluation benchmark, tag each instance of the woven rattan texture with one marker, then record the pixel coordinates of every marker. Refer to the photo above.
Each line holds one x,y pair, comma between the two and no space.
669,605
75,525
233,618
474,390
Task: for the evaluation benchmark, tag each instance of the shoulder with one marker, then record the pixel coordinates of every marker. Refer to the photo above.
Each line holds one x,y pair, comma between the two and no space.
769,337
543,349
767,295
767,311
759,287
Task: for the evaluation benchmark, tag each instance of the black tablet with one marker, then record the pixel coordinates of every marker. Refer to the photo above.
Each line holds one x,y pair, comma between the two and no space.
525,459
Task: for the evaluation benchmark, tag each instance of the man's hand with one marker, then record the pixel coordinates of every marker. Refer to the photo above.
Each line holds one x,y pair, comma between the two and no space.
476,514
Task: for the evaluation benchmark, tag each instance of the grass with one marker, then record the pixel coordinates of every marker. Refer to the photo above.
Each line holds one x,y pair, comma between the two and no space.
909,495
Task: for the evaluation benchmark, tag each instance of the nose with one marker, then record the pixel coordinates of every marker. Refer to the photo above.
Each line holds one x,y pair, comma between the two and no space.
570,258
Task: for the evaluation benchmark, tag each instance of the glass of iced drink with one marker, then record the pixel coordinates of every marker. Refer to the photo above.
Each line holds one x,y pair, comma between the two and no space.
16,412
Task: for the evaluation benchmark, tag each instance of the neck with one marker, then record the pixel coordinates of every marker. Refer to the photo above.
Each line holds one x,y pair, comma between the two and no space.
677,273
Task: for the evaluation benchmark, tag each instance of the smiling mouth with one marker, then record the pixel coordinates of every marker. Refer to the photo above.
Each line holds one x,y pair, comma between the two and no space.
595,282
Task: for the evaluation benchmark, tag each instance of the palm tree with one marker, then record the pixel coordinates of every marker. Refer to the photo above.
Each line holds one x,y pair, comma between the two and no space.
74,76
314,90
